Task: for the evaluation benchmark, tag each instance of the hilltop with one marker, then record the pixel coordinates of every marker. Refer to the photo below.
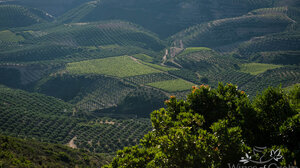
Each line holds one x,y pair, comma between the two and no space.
164,17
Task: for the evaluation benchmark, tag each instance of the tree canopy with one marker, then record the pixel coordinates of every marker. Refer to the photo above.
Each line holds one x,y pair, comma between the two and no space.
214,127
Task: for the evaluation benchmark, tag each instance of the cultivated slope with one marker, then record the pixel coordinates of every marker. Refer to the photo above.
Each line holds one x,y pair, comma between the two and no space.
229,31
12,16
164,17
47,119
54,7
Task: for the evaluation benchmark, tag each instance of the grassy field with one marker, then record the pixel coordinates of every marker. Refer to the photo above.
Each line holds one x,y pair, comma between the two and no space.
122,66
172,85
9,36
143,57
194,49
162,68
257,68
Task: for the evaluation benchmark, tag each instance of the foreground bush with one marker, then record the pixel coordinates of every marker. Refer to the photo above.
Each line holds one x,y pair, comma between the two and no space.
216,127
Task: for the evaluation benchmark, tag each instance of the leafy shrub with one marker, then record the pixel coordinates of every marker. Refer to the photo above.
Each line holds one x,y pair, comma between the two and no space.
214,127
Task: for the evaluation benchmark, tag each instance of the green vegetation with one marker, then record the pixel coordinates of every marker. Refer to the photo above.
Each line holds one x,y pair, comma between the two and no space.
83,92
159,67
214,127
149,78
277,57
294,95
205,60
257,68
209,67
143,57
18,75
53,53
289,88
224,32
91,72
141,102
106,33
122,66
30,153
12,16
50,6
36,116
172,85
105,135
279,42
10,77
194,49
32,102
37,53
280,76
46,119
158,20
8,36
187,75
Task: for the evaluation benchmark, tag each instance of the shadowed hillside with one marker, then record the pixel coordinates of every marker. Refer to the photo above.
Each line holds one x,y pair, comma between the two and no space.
28,153
164,17
12,16
54,7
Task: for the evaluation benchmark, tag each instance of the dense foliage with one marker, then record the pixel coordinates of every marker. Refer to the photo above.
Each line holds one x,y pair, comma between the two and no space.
214,127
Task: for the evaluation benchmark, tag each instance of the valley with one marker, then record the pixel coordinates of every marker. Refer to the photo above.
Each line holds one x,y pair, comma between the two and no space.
87,74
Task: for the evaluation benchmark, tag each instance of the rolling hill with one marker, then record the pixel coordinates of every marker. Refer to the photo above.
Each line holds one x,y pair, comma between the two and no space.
55,7
288,41
47,119
101,34
120,80
210,67
88,73
12,16
79,41
220,33
164,17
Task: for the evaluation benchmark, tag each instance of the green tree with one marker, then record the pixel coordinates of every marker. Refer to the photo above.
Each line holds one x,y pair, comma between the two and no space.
272,108
214,127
